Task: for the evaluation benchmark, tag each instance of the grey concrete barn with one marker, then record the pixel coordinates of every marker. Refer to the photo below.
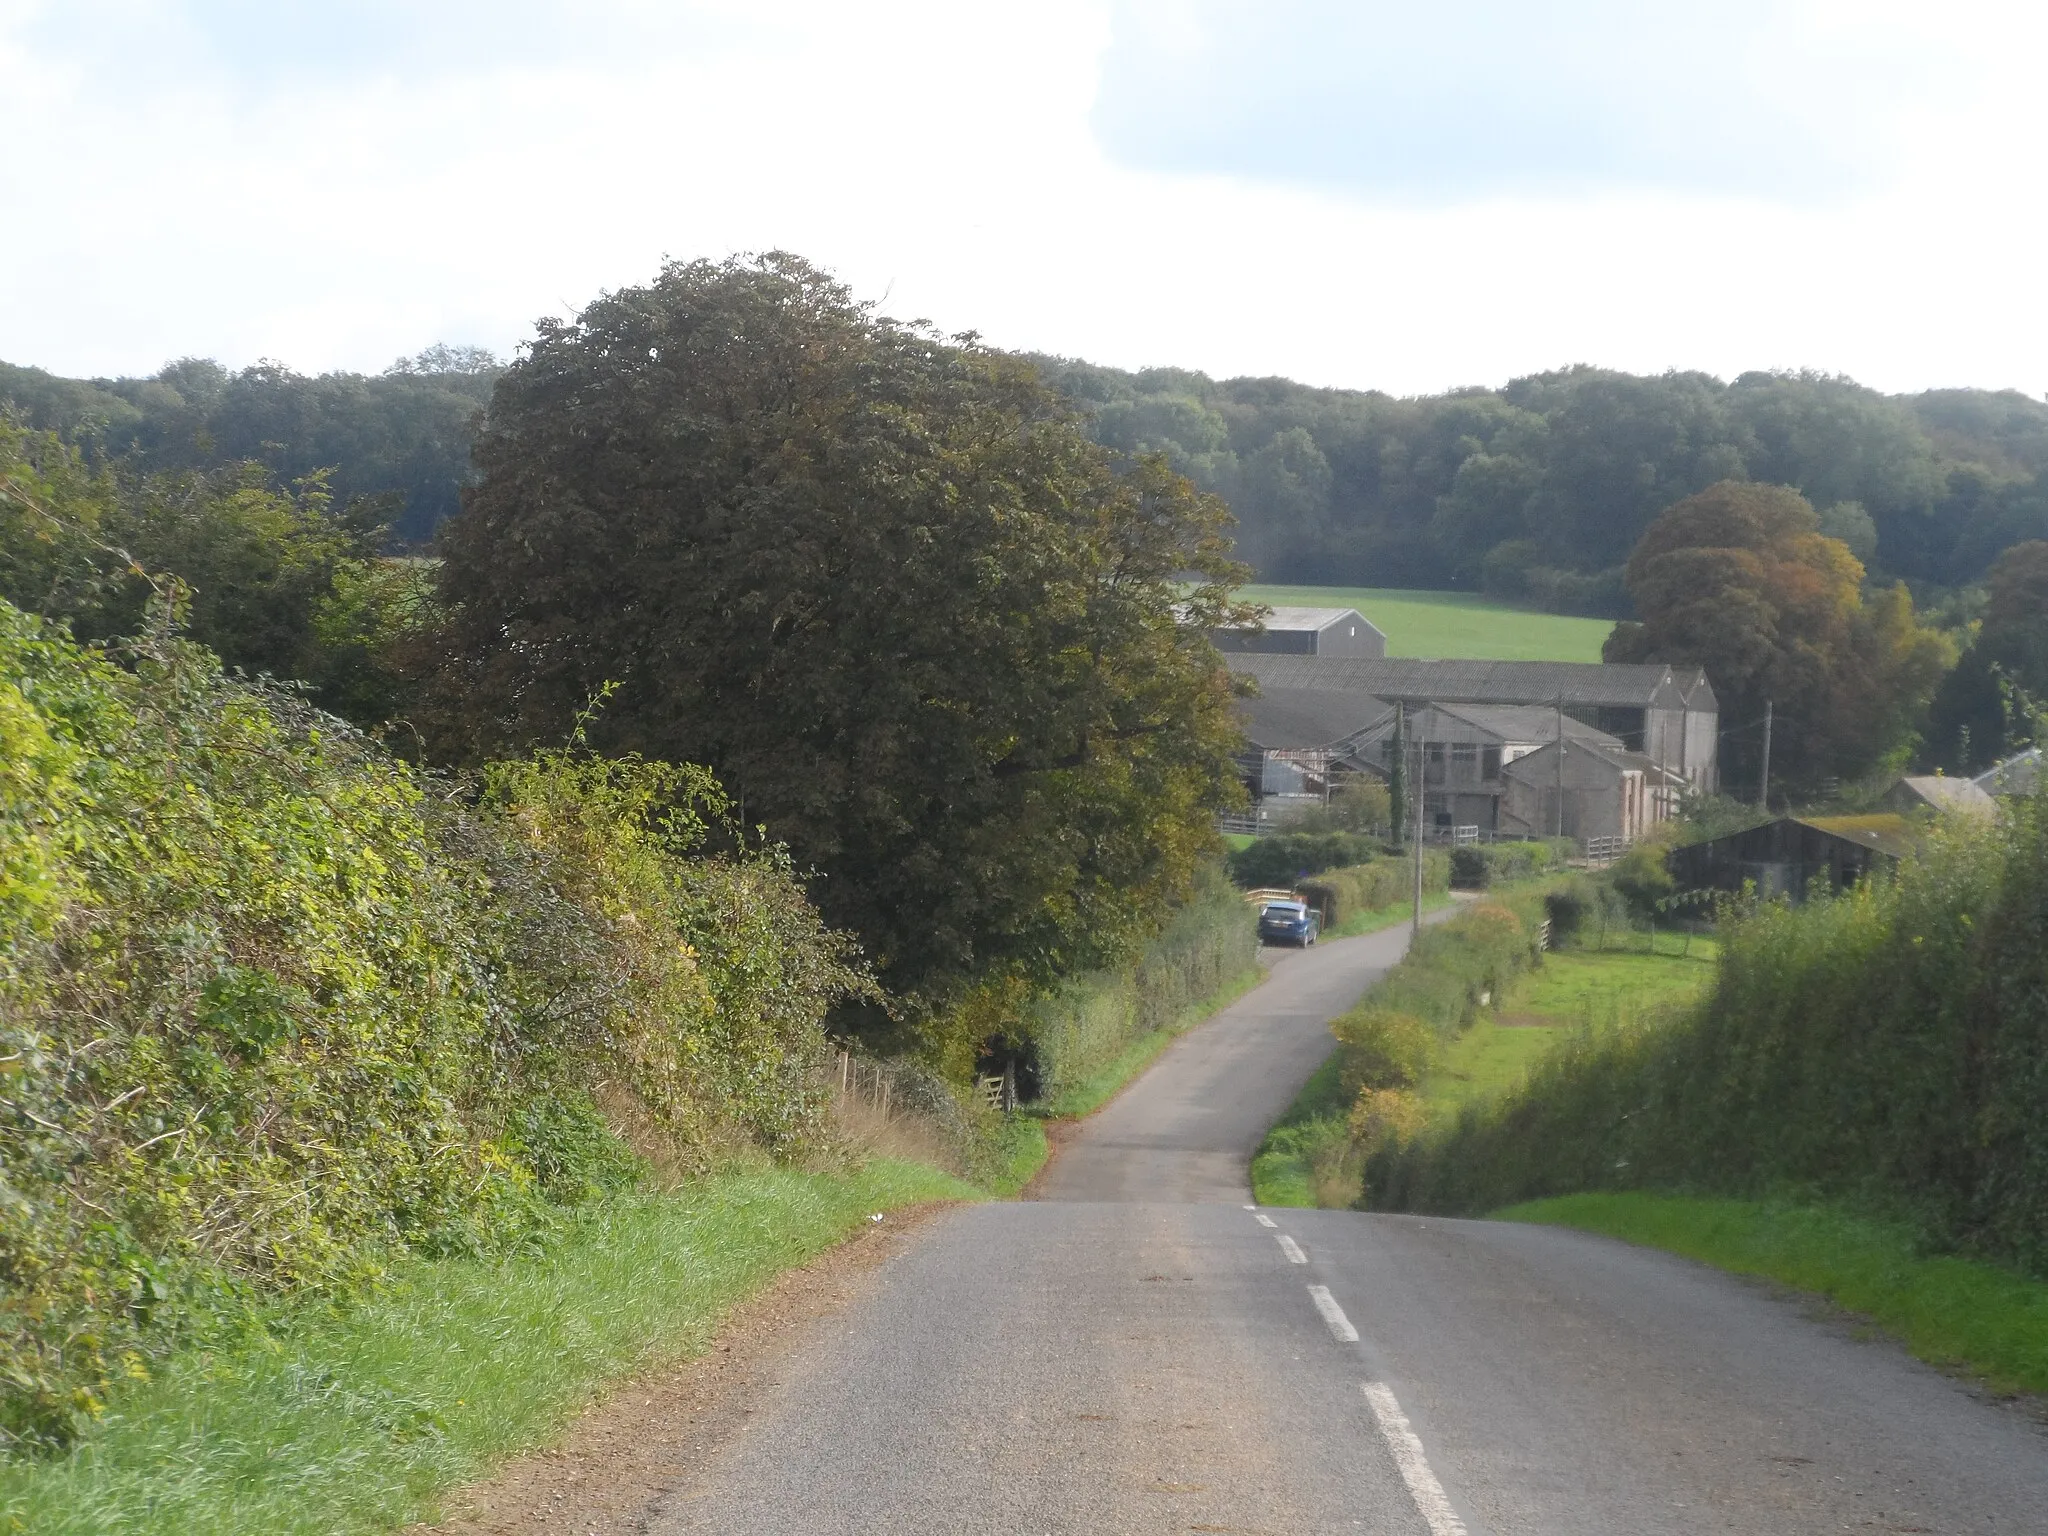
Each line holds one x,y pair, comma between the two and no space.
1668,714
1341,632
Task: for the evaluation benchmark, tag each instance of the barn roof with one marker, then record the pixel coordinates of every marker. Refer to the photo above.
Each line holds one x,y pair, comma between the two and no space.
1291,719
1950,796
1632,685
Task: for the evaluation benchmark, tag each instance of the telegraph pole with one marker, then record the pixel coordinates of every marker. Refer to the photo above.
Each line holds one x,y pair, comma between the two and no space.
1397,789
1763,788
1421,796
1560,765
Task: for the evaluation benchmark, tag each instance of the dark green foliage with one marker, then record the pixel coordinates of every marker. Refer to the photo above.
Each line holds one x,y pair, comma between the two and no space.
1288,857
404,434
1539,490
1351,890
1452,965
1985,709
284,584
1568,907
1476,866
935,639
274,1010
1887,1047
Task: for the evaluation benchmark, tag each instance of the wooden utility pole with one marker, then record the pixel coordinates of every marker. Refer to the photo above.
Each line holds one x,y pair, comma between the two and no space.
1421,797
1560,765
1397,789
1763,786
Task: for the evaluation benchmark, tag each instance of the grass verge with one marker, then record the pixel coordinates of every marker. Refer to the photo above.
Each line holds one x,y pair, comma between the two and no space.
1099,1087
336,1420
1393,913
1280,1168
1959,1314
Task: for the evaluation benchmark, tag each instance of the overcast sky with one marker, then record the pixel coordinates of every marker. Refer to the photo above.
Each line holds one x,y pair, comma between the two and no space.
1395,196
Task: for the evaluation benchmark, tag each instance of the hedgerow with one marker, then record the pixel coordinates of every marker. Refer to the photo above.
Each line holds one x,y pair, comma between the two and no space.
1342,894
275,1009
1887,1046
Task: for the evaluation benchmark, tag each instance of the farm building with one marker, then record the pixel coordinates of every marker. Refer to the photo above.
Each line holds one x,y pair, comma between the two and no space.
1297,741
1338,632
1667,714
1944,796
1608,793
1465,750
1784,857
2015,776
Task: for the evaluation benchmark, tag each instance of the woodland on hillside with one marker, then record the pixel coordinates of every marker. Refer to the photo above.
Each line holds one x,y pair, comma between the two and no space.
1536,491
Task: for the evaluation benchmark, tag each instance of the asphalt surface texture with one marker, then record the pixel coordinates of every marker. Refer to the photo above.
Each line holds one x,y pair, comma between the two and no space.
1141,1351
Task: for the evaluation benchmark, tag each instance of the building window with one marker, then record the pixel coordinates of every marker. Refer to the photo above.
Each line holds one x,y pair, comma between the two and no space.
1464,759
1489,764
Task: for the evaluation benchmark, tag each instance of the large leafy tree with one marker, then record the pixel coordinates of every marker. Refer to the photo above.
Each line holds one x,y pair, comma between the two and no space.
1738,579
1985,707
927,632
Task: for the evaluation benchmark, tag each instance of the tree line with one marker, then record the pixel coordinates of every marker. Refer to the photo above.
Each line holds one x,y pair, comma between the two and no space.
1540,490
1537,491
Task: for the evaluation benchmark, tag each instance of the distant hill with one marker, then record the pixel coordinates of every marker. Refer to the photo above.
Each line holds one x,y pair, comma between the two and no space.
1534,492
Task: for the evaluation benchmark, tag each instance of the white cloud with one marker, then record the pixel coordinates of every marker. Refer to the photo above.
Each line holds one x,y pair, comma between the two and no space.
168,196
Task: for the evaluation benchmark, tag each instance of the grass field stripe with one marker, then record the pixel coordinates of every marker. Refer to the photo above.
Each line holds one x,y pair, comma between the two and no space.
1428,1493
1291,1248
1340,1325
1263,1219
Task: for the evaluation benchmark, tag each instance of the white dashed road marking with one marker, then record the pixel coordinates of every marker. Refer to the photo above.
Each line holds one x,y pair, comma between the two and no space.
1292,1249
1340,1325
1423,1487
1263,1219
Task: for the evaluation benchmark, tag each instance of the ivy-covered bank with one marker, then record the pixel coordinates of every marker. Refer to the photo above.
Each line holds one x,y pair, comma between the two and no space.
277,1013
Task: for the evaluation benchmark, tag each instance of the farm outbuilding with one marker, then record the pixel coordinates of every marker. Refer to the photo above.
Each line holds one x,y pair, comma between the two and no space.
1942,795
1466,750
1609,794
1344,633
1785,857
1668,714
1298,742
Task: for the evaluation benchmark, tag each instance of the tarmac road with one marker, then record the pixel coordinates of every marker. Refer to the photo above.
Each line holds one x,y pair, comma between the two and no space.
1142,1352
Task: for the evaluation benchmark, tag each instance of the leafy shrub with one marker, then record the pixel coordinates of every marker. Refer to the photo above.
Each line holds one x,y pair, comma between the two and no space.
1642,879
1888,1045
272,1013
1289,856
1567,907
1474,867
1379,1048
1342,894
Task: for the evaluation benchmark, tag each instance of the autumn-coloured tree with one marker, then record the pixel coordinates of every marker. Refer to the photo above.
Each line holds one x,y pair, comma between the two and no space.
1738,579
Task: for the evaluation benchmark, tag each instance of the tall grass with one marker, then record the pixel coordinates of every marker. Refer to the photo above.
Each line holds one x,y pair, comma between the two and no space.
1887,1047
1083,1027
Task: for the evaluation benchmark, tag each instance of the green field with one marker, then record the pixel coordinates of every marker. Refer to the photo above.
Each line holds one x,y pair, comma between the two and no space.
1453,624
1573,987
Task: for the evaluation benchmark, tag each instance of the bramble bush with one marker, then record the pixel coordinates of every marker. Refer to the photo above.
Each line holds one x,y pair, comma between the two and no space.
1885,1046
274,1009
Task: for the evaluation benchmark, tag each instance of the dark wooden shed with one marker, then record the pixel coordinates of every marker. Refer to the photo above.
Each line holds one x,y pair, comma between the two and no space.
1784,857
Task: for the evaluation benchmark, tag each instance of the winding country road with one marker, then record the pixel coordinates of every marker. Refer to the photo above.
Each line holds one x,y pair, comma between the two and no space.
1140,1351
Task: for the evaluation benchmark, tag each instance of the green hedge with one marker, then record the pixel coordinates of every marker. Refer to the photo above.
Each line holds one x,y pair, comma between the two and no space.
274,1010
1288,857
1477,866
1078,1028
1888,1046
1342,894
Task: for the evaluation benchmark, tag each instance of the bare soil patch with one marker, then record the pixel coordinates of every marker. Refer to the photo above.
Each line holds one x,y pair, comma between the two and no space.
650,1432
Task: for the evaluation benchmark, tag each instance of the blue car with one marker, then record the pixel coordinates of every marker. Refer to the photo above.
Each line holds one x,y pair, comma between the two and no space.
1289,922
